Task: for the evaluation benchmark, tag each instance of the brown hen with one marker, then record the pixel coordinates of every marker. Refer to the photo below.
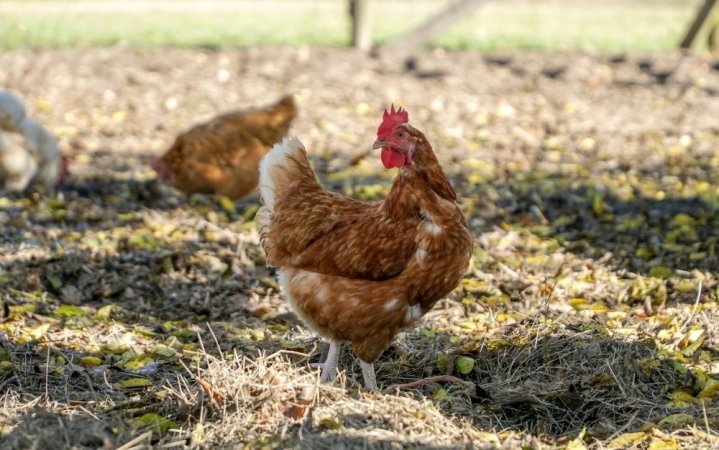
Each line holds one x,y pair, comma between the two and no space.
221,156
358,272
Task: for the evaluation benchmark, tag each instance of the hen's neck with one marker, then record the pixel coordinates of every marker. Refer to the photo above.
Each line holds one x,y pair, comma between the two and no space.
419,182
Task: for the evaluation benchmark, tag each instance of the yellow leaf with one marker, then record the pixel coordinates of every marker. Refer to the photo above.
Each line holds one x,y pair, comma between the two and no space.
37,332
694,333
578,442
138,362
104,312
578,303
626,440
22,309
90,361
693,347
270,283
198,434
164,351
330,423
426,332
119,116
711,390
499,299
43,104
677,420
155,422
442,363
475,286
54,280
227,204
465,364
492,438
6,367
659,444
536,260
120,345
441,394
69,311
134,383
685,286
682,219
661,272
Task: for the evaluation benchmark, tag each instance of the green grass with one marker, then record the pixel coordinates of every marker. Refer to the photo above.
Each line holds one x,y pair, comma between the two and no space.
609,25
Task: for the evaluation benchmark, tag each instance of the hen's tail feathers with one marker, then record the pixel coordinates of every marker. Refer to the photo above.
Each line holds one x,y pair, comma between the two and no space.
285,169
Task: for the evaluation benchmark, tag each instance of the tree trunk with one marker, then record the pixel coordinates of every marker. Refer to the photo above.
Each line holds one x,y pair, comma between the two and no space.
361,25
696,26
409,41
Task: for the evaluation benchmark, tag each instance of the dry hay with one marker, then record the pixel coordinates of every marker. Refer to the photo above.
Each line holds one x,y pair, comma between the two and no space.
266,400
563,382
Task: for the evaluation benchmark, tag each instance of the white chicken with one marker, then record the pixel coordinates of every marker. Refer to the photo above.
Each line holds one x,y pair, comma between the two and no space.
28,152
12,112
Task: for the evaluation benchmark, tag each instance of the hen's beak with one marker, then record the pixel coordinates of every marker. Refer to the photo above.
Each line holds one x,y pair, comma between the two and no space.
379,143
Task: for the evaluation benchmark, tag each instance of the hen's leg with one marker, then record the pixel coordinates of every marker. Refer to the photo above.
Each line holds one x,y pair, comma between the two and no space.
329,367
370,382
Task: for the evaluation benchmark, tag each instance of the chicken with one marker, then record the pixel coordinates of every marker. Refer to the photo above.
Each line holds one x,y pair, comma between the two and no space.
221,156
358,272
12,111
28,152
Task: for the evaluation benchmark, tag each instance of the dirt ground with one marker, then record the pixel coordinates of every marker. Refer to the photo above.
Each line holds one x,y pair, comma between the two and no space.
133,316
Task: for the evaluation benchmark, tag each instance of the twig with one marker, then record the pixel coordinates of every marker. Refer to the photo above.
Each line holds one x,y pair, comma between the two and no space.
624,427
217,343
213,394
694,309
133,443
621,388
508,270
63,427
290,352
423,381
127,403
47,374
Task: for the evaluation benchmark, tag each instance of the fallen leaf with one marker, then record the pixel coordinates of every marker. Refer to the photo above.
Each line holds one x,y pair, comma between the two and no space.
464,364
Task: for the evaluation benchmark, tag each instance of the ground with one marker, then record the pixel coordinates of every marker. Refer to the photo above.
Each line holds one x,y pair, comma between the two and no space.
135,316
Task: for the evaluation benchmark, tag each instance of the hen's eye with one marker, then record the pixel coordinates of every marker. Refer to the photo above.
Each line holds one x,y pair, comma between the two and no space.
400,134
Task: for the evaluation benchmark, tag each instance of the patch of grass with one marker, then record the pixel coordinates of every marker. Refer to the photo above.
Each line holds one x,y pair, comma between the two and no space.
551,24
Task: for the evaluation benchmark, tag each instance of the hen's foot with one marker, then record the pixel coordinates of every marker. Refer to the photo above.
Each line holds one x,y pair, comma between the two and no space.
328,369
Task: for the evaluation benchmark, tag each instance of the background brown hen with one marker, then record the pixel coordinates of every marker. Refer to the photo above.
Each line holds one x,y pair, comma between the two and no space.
222,156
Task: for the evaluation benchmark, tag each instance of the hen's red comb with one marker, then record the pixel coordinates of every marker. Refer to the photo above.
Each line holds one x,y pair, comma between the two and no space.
391,119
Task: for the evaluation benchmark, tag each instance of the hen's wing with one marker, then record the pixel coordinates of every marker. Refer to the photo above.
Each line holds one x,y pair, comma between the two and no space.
307,227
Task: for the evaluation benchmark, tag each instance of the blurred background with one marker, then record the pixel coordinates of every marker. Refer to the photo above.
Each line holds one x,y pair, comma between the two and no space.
607,25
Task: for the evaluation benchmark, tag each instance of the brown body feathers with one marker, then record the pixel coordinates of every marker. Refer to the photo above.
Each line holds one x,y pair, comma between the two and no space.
221,156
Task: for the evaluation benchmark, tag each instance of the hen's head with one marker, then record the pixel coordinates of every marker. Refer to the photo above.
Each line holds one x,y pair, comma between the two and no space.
160,168
394,139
